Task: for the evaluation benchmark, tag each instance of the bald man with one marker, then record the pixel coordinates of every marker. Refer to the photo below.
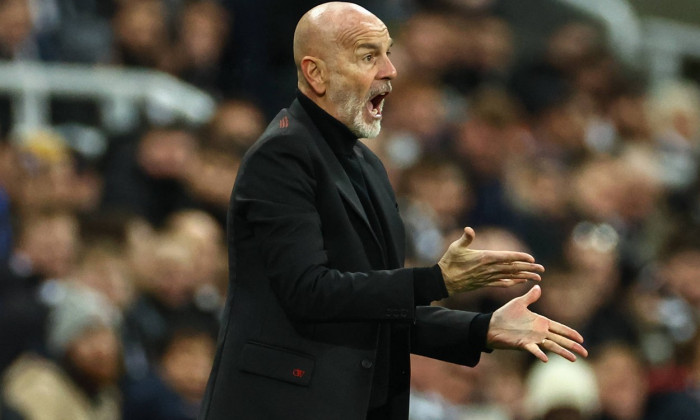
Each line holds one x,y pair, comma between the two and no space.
321,316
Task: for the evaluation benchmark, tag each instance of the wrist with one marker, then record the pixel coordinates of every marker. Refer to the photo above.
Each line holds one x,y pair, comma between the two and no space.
448,284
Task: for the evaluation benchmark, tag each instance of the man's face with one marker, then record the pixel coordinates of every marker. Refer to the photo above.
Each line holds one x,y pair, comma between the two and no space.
97,355
360,76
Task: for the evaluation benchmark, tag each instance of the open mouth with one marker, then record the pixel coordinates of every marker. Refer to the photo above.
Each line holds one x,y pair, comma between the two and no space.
375,105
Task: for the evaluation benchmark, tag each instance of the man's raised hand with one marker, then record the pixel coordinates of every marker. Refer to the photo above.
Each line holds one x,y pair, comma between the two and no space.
465,269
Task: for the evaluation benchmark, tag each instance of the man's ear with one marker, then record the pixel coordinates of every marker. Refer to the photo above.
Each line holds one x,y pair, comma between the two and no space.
315,73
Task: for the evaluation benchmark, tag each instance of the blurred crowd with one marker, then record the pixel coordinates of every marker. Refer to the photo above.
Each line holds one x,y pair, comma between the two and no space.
520,123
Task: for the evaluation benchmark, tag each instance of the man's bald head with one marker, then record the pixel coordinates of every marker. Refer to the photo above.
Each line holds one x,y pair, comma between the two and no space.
326,28
342,55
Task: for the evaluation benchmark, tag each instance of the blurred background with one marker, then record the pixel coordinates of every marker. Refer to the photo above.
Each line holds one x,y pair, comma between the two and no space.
565,128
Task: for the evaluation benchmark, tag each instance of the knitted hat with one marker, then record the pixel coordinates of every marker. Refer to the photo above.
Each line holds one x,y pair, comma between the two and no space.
76,309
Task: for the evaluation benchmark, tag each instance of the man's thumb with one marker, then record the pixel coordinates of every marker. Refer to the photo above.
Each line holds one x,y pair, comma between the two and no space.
532,295
467,237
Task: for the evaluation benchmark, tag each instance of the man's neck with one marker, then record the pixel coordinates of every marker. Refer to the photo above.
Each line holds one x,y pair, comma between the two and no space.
337,134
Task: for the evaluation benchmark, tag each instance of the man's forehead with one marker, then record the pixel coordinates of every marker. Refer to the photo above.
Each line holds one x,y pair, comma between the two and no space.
355,34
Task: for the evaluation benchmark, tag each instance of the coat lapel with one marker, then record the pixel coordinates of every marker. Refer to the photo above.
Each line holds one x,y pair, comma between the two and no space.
340,178
387,210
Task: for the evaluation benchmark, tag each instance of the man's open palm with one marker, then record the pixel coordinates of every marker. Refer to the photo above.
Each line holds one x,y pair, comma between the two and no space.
514,326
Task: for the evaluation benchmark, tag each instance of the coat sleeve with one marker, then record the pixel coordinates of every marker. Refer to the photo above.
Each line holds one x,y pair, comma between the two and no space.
275,210
447,335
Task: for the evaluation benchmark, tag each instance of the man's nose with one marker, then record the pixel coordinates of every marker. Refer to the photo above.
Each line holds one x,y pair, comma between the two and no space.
388,70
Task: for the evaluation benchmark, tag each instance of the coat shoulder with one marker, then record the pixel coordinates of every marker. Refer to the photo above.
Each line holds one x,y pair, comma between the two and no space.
284,131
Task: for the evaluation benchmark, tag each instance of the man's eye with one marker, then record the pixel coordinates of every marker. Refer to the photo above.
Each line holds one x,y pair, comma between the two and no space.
368,58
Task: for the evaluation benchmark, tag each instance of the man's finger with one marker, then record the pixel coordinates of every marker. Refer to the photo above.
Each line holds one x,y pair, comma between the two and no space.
498,257
536,351
554,347
568,344
506,282
517,267
517,276
495,277
528,276
565,331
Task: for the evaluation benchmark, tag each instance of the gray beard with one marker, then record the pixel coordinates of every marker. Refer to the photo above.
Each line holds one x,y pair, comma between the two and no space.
352,115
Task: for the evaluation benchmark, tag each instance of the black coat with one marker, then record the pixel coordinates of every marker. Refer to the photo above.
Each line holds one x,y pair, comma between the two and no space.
314,302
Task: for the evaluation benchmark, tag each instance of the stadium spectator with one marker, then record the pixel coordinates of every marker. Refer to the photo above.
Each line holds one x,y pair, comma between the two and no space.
79,379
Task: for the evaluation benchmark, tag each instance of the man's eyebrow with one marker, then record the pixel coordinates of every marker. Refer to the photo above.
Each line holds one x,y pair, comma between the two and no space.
373,45
368,46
